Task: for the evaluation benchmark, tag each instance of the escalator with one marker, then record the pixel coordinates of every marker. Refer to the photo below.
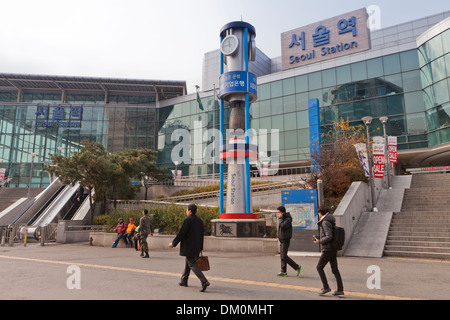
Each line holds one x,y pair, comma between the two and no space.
25,208
56,210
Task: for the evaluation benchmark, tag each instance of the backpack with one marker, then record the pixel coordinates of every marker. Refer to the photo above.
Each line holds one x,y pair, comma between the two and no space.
338,238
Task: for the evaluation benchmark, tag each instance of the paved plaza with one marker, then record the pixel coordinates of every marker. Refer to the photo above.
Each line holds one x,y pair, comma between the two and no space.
80,272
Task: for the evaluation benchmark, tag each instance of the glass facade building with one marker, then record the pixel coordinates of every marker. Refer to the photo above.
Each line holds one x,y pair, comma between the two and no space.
36,119
404,76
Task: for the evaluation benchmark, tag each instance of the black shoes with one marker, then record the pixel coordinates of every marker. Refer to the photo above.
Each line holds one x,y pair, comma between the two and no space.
204,286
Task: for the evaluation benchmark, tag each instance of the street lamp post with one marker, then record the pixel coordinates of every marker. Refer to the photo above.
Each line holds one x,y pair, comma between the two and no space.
386,159
367,121
31,173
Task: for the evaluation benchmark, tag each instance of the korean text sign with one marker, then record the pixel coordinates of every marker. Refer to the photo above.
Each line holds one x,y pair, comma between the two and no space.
331,38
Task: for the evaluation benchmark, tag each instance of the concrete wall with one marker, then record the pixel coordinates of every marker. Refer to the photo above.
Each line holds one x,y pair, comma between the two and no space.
355,202
65,235
160,242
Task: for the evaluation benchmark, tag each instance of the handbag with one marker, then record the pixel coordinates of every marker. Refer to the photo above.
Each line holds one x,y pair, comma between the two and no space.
203,262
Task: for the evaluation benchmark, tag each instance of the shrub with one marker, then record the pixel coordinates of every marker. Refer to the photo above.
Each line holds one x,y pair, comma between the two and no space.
166,218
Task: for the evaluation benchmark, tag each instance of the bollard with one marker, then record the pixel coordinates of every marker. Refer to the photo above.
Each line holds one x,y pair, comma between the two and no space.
42,238
25,238
320,198
3,237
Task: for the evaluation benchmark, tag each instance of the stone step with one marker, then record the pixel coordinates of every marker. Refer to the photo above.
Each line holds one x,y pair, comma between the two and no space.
423,213
421,244
431,238
417,249
441,229
422,233
415,254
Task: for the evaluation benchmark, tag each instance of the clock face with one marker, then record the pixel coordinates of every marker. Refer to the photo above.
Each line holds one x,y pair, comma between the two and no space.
229,45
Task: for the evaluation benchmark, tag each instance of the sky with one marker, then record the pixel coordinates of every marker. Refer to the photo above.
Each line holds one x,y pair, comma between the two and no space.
158,40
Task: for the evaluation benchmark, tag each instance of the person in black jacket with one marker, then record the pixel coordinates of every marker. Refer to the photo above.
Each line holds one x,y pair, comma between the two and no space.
284,236
191,238
326,223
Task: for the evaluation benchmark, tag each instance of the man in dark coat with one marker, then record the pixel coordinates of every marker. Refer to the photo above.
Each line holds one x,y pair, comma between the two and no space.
326,224
284,236
191,238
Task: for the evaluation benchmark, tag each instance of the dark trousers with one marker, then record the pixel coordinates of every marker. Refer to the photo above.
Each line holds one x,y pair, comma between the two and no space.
285,260
331,257
191,264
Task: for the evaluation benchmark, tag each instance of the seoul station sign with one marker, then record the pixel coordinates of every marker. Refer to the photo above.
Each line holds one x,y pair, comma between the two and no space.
328,39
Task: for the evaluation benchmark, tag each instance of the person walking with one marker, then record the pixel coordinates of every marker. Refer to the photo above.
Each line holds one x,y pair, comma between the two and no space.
191,238
284,236
145,228
329,254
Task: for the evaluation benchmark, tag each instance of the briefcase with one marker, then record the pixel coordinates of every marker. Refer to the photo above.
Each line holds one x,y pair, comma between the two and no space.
203,262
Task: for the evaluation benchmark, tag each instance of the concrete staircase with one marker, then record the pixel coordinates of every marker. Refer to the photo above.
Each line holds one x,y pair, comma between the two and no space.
422,227
10,195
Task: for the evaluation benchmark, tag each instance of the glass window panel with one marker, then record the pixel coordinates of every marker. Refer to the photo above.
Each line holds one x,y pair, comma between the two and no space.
303,119
409,60
264,91
346,112
395,104
391,64
411,81
303,138
315,80
446,41
397,126
393,83
301,83
265,123
378,107
276,106
329,77
443,115
447,62
416,123
441,92
277,122
288,86
438,69
433,138
432,121
428,97
445,135
254,110
343,75
435,47
359,71
276,89
374,68
414,102
290,121
289,103
290,139
302,101
264,108
361,109
418,137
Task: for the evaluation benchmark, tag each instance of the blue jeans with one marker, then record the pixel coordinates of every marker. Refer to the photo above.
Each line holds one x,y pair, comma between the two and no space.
120,236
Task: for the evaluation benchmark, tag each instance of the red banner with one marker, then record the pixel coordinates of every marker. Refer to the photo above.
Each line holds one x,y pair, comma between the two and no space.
378,160
392,149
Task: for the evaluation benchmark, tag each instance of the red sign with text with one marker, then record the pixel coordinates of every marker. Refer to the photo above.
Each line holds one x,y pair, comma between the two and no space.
378,160
392,149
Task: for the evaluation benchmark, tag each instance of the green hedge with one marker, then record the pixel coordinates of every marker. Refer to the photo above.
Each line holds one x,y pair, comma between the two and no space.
167,219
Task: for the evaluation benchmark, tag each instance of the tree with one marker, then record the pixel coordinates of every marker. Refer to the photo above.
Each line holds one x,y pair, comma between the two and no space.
109,175
337,159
